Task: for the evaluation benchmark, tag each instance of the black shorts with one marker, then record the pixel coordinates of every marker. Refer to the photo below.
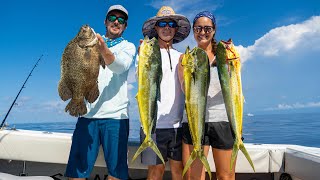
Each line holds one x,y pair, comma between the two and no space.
217,134
169,143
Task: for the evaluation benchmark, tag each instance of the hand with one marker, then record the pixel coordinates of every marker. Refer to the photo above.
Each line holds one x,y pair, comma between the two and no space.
102,44
105,51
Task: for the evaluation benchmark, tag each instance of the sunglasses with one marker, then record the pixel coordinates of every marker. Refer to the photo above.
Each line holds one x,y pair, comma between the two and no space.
113,18
207,29
171,24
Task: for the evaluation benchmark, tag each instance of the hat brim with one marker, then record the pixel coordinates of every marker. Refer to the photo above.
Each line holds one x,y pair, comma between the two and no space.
182,32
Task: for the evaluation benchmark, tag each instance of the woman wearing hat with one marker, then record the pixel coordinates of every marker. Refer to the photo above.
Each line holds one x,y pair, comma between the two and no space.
218,133
169,28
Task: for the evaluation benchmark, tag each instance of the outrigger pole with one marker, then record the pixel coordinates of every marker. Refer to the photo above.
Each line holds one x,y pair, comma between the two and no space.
4,120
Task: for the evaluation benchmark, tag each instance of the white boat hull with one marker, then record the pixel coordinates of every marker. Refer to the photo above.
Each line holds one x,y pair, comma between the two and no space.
47,154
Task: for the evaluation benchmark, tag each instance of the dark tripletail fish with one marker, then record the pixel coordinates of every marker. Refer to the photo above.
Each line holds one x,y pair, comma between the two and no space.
196,73
149,79
229,71
80,66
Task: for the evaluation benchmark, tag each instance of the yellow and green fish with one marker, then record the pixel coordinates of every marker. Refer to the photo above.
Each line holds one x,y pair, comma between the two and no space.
149,79
229,71
196,73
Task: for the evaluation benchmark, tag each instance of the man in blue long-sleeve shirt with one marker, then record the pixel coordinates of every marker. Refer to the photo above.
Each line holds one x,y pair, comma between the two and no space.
107,120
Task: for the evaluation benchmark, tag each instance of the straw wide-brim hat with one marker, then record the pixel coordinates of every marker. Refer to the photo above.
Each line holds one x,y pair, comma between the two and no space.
167,12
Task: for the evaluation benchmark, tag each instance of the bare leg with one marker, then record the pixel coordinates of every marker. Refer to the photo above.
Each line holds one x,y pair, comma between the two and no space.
156,172
222,160
196,170
176,169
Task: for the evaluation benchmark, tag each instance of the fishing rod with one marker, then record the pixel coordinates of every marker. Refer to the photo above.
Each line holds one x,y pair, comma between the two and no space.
19,92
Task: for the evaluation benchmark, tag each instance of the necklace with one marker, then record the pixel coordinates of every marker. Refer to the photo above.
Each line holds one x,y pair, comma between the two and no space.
112,42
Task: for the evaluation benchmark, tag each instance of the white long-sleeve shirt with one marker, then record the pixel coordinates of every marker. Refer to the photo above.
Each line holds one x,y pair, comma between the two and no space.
112,82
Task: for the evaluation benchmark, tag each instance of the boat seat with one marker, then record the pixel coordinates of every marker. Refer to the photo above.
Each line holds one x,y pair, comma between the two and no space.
5,176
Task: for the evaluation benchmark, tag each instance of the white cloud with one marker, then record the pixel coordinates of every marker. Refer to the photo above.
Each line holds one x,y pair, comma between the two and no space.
21,101
295,106
54,106
303,36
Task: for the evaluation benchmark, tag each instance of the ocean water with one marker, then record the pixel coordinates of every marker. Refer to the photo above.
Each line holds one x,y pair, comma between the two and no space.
292,128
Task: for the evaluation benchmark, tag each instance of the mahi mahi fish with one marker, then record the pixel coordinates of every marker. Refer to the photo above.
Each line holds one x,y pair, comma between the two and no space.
196,73
80,66
229,71
149,79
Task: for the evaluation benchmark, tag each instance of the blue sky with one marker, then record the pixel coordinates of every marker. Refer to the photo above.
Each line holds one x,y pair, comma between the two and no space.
278,40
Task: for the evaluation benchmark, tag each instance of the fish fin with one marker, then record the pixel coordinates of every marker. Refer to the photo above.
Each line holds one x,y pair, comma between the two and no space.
148,142
194,77
159,95
153,122
186,54
142,147
187,50
246,154
234,155
102,62
93,94
204,161
208,74
156,150
158,87
189,162
76,108
64,91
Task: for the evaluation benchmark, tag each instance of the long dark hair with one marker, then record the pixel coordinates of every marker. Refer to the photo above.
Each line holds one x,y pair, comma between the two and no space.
214,41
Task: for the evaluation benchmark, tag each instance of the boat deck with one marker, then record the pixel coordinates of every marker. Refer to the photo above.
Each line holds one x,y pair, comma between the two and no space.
47,154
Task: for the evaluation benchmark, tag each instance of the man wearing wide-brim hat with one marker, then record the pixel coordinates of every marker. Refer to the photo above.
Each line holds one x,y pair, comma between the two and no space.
169,28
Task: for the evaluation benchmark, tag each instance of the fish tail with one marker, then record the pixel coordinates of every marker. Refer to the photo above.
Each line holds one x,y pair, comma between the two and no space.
204,161
142,147
189,162
246,154
156,150
76,108
234,155
148,142
193,156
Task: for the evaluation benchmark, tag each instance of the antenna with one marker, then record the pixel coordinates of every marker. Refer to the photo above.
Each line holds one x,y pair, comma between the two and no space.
14,102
